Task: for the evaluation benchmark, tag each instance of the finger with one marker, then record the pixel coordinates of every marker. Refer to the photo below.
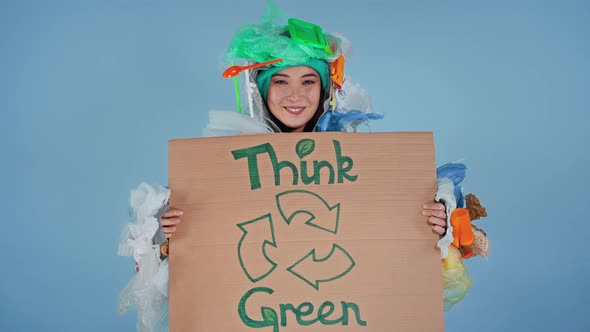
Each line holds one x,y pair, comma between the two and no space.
170,221
172,213
433,206
438,230
169,229
437,221
435,213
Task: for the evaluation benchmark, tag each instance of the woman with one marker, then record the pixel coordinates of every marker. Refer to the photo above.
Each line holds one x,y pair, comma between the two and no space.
305,91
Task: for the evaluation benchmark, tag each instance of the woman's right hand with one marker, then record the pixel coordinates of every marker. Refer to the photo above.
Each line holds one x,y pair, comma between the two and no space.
170,219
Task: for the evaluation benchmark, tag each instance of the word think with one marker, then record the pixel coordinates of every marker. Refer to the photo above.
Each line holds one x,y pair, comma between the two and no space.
338,173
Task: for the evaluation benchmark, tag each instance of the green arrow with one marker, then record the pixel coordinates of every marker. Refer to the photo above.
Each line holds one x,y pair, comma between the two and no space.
339,259
324,216
259,228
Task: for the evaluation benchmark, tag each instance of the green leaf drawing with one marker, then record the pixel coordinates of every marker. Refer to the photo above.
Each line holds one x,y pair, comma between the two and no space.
305,147
269,315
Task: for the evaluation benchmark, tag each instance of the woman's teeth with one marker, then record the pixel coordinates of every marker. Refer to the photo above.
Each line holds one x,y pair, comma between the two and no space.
295,110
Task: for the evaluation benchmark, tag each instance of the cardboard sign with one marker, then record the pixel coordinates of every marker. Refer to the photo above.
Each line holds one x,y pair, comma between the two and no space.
304,232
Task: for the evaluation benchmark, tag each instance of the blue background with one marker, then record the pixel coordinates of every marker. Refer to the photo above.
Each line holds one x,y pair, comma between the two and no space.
90,92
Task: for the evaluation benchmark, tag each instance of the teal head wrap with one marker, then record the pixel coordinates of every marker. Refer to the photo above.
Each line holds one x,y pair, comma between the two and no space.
263,78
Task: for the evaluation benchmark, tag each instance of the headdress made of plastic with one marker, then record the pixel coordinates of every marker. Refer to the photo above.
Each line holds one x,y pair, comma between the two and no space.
271,39
291,42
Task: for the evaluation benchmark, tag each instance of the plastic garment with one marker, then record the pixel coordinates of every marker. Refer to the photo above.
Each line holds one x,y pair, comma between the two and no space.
269,40
147,291
445,195
456,173
337,121
456,280
222,123
352,97
450,193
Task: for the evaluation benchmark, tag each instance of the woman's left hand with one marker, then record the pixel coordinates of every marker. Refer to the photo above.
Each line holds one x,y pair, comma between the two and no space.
437,216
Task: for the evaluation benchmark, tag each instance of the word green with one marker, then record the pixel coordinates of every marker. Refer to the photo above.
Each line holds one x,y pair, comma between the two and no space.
303,148
302,312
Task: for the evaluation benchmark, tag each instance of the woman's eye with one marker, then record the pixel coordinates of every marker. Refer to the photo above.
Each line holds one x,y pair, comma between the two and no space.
309,82
280,82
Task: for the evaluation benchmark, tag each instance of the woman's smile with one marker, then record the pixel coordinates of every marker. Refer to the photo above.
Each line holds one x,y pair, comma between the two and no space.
295,110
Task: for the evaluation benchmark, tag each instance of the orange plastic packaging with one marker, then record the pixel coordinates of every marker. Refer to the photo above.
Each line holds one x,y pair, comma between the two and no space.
463,236
337,68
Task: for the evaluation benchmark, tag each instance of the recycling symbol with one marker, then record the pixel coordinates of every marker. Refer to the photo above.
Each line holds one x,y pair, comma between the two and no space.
257,264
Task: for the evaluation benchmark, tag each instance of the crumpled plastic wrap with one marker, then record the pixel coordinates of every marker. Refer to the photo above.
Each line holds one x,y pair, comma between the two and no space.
147,291
222,123
456,280
269,40
352,97
445,194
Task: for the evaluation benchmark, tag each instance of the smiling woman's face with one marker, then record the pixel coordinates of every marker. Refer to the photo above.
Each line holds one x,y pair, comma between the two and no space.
294,96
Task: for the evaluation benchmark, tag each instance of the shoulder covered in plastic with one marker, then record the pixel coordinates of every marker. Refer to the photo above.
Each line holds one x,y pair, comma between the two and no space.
223,123
147,291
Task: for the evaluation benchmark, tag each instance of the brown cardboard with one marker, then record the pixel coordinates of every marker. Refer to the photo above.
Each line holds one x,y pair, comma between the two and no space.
383,274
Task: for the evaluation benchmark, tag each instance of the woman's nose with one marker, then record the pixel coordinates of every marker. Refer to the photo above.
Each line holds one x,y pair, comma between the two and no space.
294,93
